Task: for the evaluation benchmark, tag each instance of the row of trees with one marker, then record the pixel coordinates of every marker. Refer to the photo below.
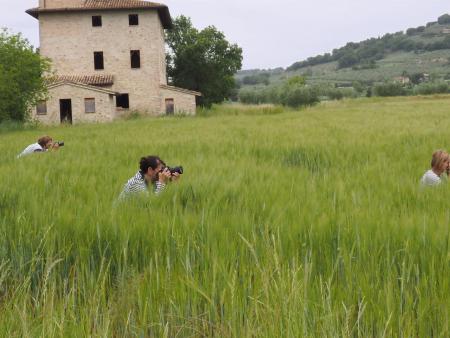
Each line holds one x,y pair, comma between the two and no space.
260,78
365,53
296,93
397,89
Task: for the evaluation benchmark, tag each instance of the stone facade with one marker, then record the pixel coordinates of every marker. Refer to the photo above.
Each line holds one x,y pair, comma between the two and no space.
105,110
69,39
184,101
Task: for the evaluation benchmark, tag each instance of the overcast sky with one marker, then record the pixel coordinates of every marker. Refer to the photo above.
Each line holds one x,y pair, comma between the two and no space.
277,33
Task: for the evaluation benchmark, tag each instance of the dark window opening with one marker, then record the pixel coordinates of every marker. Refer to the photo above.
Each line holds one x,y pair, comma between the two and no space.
133,19
41,108
170,106
135,56
122,101
96,21
98,60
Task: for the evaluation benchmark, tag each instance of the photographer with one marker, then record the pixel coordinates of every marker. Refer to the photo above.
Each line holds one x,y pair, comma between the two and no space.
45,143
152,173
440,164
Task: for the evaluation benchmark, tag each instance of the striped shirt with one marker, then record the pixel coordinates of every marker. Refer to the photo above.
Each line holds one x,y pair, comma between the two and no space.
138,186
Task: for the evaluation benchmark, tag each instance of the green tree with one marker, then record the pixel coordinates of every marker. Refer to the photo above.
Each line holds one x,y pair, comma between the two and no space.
296,81
202,60
348,59
21,81
444,19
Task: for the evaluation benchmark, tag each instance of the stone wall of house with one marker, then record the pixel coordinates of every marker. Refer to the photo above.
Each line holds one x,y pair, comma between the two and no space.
70,41
104,105
184,102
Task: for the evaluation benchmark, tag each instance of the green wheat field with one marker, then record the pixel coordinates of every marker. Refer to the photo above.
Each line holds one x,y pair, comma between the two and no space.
286,223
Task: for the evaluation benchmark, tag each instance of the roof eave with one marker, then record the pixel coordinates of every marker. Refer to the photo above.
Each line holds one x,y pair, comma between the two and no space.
163,12
33,12
182,90
82,85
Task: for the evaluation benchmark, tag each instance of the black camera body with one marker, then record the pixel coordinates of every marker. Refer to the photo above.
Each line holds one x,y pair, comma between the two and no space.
178,170
60,143
173,170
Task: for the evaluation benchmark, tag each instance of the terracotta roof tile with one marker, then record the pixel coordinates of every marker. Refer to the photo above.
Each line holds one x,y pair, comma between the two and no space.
120,4
93,80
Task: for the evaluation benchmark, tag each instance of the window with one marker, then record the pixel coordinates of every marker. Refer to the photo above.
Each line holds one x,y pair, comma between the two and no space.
96,21
41,108
89,105
123,101
98,60
135,56
170,106
133,19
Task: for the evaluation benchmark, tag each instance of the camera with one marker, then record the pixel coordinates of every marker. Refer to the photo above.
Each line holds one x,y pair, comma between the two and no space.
60,143
178,170
174,170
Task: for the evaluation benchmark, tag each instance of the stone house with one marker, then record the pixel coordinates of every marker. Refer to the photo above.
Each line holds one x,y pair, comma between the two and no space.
402,79
109,59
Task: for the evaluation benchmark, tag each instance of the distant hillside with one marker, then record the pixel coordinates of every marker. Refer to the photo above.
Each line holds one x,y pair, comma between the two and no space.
424,49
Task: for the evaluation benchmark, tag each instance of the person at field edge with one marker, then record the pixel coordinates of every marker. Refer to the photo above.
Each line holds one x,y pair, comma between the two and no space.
152,174
45,143
440,164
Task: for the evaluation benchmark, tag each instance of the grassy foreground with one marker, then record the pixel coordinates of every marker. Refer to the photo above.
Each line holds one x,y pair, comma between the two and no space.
286,224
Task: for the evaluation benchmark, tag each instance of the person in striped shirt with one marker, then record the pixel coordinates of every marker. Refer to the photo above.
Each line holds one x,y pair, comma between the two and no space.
152,174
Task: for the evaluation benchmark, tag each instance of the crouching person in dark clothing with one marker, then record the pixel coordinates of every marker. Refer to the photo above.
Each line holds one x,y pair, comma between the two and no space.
153,175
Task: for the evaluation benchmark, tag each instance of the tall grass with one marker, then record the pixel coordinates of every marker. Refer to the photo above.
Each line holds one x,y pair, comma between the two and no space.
285,224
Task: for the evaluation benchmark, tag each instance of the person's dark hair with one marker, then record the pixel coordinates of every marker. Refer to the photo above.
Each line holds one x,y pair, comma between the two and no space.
44,140
149,162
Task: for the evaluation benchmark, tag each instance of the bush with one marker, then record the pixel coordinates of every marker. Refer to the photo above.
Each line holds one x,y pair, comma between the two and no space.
299,96
389,89
431,88
267,95
293,94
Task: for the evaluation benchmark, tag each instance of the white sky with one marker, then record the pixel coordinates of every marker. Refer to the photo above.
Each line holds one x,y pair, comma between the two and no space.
276,33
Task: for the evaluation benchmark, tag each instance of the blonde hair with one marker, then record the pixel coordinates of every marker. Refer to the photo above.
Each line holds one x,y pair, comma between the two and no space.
439,156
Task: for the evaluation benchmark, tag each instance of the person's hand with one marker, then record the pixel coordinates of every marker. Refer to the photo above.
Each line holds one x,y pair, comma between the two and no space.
55,146
175,176
164,175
